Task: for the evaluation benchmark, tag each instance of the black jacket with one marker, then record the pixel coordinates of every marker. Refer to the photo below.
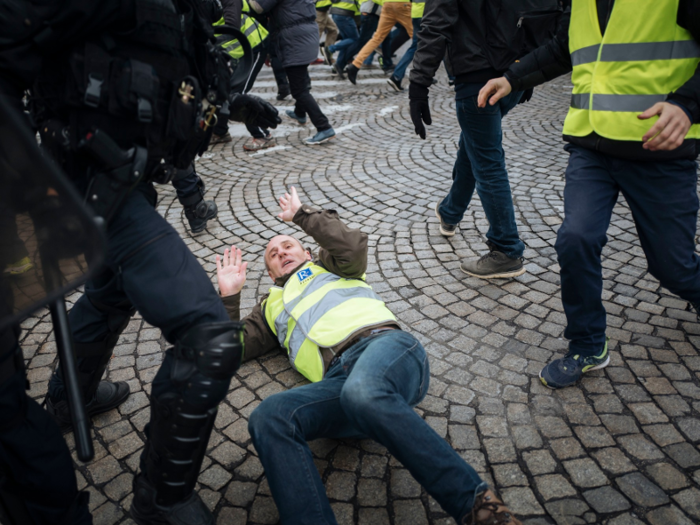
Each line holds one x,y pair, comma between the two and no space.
553,60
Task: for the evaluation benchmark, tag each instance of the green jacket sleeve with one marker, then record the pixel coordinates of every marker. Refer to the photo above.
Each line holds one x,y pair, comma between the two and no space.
258,339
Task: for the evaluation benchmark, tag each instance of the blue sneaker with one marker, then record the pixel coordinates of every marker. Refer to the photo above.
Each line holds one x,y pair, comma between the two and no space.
566,371
290,113
321,137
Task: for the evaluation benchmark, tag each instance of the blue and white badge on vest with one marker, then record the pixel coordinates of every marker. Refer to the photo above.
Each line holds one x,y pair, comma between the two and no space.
304,274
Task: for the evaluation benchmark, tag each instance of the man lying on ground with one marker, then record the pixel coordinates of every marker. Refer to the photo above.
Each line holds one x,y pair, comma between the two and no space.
366,373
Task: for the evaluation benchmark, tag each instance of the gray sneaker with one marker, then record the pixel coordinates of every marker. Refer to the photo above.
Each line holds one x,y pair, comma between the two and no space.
493,265
448,230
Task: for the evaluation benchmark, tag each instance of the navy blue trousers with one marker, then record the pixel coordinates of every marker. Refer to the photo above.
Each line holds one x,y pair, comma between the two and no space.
664,203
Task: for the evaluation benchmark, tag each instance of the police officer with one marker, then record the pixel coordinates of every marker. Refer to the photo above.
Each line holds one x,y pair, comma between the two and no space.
125,93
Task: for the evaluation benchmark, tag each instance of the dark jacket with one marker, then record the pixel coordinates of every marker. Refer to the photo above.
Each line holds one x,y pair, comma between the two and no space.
553,60
293,30
343,251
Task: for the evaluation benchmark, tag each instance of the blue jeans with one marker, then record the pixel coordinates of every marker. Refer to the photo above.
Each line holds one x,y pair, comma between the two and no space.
664,203
406,59
481,165
345,47
368,393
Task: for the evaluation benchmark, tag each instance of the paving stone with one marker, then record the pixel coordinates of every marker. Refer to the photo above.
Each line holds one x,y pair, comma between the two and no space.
585,473
241,493
606,500
689,501
410,511
641,491
667,476
554,486
666,515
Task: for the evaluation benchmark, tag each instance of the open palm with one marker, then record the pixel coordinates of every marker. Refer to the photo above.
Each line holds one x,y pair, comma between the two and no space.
290,204
230,272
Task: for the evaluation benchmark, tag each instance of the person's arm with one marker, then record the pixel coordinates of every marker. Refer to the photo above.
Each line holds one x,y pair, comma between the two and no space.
343,250
232,12
439,18
262,6
688,95
258,338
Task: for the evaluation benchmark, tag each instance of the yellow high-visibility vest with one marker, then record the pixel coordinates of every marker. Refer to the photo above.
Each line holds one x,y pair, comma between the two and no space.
643,56
318,309
345,7
417,8
251,28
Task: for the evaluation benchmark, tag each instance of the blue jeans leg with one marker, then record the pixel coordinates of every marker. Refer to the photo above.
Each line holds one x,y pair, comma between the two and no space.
348,28
369,393
481,142
664,204
406,59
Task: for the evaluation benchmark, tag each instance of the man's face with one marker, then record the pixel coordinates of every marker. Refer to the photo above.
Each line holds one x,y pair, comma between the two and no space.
283,254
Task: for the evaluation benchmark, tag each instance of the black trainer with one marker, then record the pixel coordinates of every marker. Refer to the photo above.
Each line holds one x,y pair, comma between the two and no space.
494,265
108,396
395,83
145,510
198,214
283,92
352,71
448,230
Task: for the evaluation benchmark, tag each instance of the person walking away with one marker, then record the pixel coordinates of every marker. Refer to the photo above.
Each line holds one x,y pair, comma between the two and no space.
393,11
633,126
366,372
326,25
343,13
370,12
256,34
295,38
476,56
417,8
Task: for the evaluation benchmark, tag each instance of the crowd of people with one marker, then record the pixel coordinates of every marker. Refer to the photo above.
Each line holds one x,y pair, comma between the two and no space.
627,130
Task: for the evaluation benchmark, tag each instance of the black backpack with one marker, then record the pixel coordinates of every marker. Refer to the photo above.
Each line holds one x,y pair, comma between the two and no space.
513,28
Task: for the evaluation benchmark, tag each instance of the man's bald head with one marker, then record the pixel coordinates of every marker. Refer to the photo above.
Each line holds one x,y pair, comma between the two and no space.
283,254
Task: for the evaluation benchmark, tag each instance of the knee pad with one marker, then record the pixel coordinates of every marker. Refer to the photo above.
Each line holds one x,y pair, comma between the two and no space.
206,358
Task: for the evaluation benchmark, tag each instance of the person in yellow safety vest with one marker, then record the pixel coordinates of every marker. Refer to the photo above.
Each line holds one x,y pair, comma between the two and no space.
393,12
326,25
366,372
417,8
343,13
256,35
633,126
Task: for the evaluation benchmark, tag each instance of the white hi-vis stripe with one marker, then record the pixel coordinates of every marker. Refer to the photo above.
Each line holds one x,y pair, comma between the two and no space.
642,51
632,103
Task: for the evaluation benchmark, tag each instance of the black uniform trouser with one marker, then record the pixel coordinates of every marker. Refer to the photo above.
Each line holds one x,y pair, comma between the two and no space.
300,85
150,268
34,458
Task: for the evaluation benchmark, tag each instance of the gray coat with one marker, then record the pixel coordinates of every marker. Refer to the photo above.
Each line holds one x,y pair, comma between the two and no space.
293,30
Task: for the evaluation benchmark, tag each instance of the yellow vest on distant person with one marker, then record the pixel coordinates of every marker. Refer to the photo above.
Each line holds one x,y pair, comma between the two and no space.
345,7
322,3
251,28
319,309
643,56
417,8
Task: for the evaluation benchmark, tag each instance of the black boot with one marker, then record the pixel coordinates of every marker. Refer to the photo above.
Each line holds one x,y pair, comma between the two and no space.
108,396
199,213
146,511
352,71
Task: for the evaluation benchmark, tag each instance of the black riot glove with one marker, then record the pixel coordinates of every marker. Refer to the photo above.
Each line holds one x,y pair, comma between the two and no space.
254,111
420,109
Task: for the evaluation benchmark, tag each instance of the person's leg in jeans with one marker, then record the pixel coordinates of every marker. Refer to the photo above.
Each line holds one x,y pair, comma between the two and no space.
481,141
300,84
400,70
664,204
392,13
348,29
369,392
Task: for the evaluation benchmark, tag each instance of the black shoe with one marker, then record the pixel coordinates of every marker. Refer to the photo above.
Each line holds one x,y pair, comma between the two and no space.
198,214
493,265
352,71
327,55
395,83
108,396
145,510
448,230
283,93
388,70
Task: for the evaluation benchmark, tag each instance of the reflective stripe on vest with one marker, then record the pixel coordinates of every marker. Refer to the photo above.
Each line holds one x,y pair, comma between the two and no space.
417,8
643,56
251,28
316,309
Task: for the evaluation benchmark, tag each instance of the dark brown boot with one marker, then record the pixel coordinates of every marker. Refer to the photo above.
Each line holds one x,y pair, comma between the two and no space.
489,510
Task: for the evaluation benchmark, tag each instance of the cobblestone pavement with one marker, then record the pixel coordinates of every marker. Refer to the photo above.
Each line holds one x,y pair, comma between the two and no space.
621,448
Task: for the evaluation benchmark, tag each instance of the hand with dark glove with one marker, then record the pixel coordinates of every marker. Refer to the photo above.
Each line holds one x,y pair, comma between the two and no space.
420,109
254,111
527,95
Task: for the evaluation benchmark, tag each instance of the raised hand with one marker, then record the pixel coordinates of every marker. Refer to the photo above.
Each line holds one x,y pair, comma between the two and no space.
230,272
290,204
